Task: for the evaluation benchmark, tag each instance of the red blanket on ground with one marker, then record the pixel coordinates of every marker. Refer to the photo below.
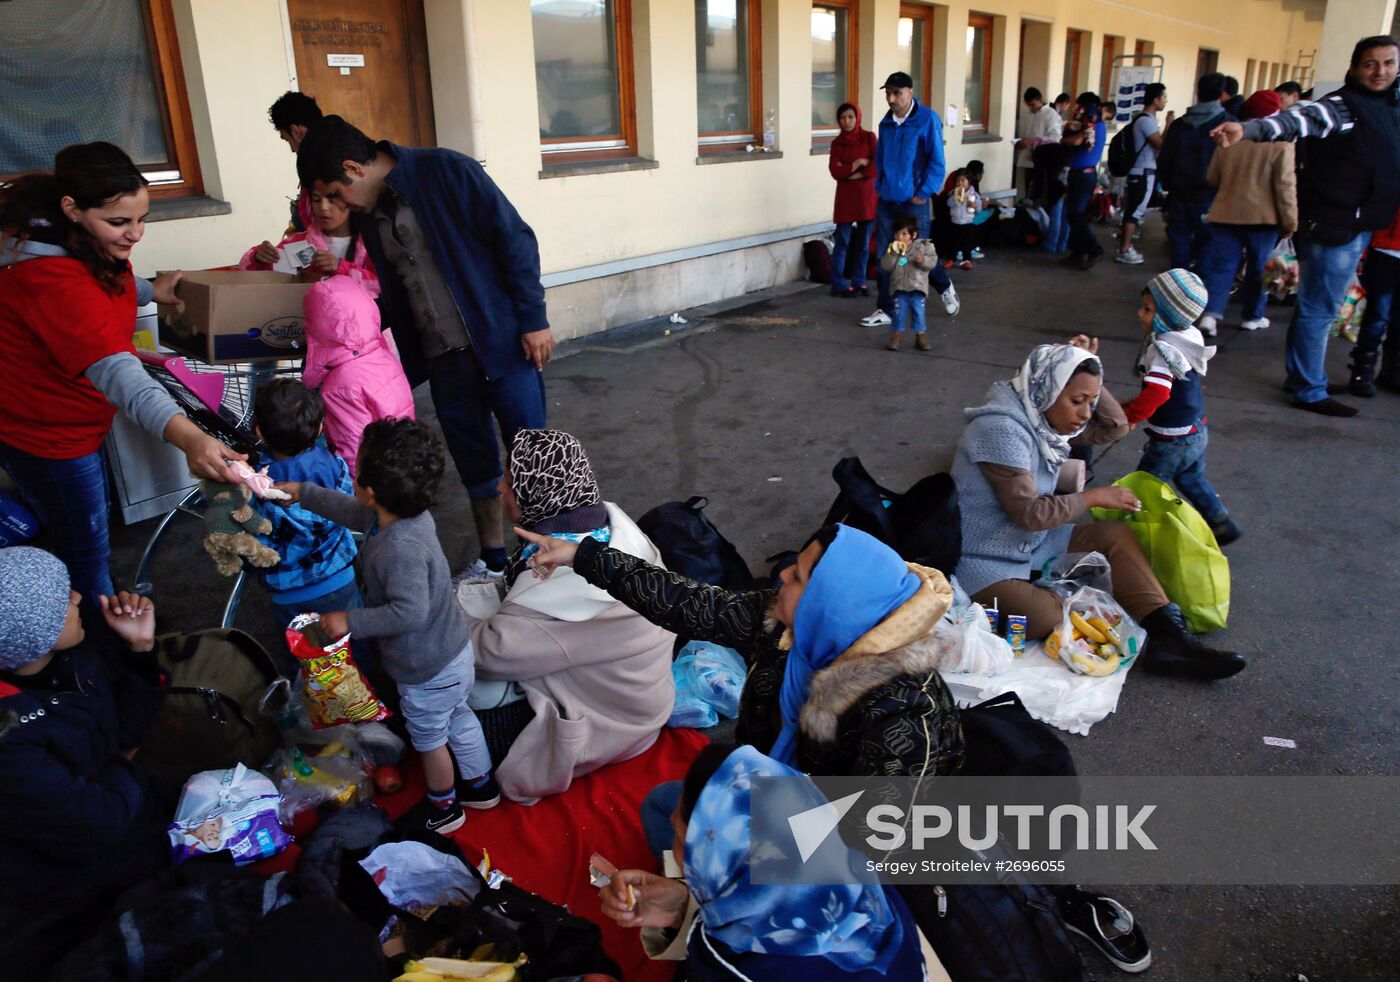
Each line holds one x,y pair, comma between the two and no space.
545,848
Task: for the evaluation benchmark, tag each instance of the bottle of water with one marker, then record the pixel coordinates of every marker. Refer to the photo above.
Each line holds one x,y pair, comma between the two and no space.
770,129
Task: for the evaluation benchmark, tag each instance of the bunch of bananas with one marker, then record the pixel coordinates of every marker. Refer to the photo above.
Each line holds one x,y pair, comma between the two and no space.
1094,648
453,969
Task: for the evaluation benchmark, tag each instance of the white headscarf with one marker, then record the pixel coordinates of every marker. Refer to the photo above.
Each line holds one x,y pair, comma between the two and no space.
1039,383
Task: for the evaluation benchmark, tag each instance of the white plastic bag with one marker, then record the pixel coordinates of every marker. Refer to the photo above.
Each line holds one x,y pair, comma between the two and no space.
963,642
1096,636
411,875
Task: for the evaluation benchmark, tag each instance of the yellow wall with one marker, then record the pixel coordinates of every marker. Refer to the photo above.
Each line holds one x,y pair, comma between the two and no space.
236,64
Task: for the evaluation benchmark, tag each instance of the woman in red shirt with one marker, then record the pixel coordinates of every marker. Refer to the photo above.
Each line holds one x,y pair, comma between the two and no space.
68,302
852,165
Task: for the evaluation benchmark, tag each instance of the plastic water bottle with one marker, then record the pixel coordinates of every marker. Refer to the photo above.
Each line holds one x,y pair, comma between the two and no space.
770,129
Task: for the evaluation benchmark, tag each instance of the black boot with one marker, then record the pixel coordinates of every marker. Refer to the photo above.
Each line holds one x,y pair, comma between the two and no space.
1173,650
1226,531
1363,373
1389,376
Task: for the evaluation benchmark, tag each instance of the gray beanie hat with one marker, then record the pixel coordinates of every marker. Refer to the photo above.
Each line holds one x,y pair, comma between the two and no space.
34,596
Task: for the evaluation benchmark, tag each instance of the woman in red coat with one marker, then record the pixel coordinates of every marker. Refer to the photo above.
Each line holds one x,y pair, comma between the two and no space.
852,165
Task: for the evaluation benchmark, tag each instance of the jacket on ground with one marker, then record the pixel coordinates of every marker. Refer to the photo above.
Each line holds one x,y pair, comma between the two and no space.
348,359
596,673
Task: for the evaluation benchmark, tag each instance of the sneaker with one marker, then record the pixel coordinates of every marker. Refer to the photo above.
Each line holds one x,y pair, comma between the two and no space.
948,264
1109,927
480,799
478,572
959,258
1226,530
1207,326
965,264
443,821
1129,258
950,301
1257,324
877,319
977,254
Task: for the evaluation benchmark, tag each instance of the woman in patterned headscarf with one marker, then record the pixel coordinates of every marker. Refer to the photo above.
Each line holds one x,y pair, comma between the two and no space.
595,676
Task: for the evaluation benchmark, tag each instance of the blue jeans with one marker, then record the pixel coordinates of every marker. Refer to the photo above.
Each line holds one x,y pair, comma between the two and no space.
1222,260
1082,241
465,402
843,255
1323,275
436,714
1188,232
911,303
657,807
69,497
1181,462
1381,279
1056,231
885,214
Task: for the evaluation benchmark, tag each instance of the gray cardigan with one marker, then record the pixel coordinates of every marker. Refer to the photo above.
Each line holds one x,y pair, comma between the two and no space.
409,604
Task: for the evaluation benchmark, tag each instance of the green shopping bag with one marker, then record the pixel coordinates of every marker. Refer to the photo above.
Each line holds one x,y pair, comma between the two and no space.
1181,549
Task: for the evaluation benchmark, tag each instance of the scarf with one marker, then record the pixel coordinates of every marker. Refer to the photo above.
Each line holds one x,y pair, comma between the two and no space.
851,924
550,474
1038,384
855,585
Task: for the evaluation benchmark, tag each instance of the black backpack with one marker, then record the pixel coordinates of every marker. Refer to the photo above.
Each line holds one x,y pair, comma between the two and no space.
923,524
693,547
1122,153
1185,156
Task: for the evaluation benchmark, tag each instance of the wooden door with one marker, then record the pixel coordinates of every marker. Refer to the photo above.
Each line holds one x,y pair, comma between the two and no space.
367,60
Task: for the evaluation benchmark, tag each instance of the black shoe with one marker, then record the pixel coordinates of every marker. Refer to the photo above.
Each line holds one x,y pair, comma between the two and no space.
862,291
1327,407
1086,262
1072,259
1226,531
1174,650
1109,927
845,294
1363,373
443,821
486,796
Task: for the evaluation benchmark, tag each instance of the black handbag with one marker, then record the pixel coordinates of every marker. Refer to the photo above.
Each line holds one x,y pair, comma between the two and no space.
922,524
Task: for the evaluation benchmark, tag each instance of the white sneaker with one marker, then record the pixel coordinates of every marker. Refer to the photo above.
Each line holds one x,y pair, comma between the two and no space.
1132,257
478,572
1207,326
950,301
877,319
1258,324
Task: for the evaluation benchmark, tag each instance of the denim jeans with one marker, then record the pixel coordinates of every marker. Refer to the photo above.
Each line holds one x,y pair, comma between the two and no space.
657,807
1057,229
844,255
1381,279
70,499
1222,260
465,402
1082,241
436,714
1323,275
1181,462
885,214
910,303
1188,232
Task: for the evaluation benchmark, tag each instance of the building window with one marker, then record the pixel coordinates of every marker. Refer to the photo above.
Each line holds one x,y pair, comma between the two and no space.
89,70
915,48
728,68
978,88
1074,49
583,69
834,47
1112,48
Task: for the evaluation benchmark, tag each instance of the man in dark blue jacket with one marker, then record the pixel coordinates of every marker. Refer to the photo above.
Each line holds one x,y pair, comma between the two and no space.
910,169
459,272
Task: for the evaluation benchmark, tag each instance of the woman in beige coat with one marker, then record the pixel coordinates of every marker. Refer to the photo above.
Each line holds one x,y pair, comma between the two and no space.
596,674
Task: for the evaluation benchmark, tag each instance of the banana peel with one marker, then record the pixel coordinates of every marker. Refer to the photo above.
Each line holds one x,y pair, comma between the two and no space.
452,969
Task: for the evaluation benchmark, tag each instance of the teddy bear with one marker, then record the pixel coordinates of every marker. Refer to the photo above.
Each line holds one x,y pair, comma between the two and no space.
229,526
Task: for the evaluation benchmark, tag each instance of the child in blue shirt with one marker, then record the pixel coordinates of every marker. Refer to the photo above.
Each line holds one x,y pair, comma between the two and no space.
317,571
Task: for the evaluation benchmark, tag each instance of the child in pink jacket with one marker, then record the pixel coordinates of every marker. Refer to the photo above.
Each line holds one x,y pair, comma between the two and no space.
349,359
340,249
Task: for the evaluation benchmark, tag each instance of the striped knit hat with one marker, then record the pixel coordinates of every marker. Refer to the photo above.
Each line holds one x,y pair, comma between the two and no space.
1180,297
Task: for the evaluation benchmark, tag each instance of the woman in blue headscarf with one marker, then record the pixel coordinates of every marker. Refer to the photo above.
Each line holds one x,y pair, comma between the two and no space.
727,926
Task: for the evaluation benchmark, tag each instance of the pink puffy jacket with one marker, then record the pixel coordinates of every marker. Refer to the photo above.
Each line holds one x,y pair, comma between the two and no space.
349,359
359,268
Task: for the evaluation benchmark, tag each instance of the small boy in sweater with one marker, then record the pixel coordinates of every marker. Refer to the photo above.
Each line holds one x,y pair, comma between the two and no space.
1171,403
411,611
317,571
963,205
908,260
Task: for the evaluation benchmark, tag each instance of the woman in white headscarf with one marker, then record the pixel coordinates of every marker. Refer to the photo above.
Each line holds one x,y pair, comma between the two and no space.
1007,469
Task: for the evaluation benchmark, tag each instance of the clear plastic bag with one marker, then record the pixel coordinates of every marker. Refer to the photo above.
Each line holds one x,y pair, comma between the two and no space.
337,775
1096,636
1066,574
964,642
709,680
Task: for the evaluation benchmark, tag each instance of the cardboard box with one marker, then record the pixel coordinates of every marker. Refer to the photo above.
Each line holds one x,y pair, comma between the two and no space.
234,315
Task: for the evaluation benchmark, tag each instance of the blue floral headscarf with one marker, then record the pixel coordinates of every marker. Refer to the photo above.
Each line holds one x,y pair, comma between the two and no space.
853,925
856,584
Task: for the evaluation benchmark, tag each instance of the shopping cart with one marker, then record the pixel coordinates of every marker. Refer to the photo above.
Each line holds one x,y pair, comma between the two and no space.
219,400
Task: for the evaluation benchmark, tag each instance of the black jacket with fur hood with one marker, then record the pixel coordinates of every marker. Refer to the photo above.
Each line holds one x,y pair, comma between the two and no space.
880,708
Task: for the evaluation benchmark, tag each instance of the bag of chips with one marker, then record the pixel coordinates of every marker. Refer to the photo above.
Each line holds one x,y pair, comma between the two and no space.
335,688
